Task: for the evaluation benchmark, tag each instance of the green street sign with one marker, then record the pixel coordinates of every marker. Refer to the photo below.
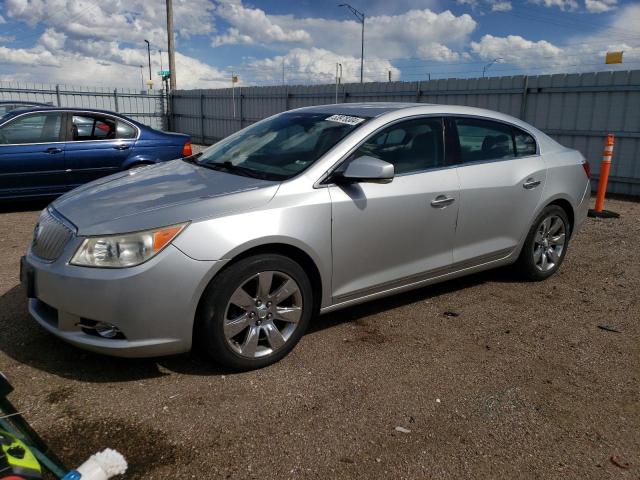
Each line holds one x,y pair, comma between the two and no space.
164,73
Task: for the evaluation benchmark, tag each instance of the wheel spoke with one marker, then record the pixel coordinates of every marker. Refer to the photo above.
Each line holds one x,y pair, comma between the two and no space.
545,225
543,261
556,225
553,254
538,238
250,344
287,289
289,314
274,337
265,280
557,240
537,255
235,326
241,299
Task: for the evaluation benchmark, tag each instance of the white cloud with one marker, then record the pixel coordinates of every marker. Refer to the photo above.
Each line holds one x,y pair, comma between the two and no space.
438,52
53,40
386,36
27,56
519,51
567,5
252,25
501,6
599,6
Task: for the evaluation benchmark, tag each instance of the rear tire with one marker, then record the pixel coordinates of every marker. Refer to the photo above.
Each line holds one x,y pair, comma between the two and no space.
545,246
254,312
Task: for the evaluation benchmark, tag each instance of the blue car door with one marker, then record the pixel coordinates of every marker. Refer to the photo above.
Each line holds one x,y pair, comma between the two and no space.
32,155
99,145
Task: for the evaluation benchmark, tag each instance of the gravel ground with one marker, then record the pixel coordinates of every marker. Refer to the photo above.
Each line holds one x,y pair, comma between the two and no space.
521,383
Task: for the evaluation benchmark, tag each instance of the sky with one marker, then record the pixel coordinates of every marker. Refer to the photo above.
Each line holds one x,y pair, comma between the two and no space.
270,42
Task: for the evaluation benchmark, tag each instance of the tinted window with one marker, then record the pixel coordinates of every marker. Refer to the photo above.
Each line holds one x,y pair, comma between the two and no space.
125,130
89,127
484,140
410,146
33,128
525,143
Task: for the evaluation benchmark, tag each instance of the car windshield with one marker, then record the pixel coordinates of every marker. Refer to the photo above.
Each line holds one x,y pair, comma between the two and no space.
281,147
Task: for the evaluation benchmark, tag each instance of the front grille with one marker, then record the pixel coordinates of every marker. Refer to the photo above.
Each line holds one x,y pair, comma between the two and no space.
50,237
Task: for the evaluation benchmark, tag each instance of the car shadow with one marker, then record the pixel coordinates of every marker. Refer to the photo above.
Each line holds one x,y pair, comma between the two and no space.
24,341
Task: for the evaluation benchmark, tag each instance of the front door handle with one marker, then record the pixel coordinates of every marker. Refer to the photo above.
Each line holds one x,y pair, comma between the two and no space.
531,183
121,147
442,201
53,150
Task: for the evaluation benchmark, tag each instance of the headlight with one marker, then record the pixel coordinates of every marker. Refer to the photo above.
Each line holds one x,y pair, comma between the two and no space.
125,250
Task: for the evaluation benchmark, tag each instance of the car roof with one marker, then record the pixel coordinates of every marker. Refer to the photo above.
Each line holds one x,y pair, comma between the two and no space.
45,108
370,109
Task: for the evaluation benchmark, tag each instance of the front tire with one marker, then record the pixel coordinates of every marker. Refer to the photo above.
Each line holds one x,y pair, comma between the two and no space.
546,245
255,312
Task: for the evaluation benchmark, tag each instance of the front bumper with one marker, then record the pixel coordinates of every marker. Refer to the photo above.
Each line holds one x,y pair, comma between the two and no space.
153,304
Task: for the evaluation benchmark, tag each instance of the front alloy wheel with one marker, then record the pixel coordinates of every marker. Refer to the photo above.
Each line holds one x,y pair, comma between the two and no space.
255,311
262,314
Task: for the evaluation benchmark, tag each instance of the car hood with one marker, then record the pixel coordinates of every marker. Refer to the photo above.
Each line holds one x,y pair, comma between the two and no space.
159,195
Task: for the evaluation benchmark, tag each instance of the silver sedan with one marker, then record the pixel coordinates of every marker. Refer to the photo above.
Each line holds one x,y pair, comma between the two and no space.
236,249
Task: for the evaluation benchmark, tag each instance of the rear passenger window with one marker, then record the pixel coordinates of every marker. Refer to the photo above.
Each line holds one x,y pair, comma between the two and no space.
410,146
125,130
484,140
90,127
525,143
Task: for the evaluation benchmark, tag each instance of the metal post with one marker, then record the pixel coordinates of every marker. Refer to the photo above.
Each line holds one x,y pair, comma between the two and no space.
286,98
149,54
58,95
202,118
170,45
241,105
362,52
115,99
418,92
523,101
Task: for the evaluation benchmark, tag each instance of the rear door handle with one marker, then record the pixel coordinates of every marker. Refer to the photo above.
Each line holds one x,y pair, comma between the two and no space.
531,183
442,201
53,150
121,147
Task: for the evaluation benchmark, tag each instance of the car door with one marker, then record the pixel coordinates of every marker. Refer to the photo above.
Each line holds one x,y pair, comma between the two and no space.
99,145
32,154
501,181
387,235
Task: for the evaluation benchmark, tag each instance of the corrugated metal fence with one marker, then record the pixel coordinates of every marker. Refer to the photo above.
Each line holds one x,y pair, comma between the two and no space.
578,110
147,108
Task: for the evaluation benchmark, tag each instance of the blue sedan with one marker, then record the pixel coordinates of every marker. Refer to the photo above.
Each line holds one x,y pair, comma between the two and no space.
46,151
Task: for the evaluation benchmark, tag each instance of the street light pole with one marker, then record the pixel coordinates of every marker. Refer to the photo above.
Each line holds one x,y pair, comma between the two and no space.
488,65
142,76
160,53
149,53
361,17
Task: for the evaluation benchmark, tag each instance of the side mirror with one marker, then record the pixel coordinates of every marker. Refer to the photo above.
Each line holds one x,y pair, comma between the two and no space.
367,169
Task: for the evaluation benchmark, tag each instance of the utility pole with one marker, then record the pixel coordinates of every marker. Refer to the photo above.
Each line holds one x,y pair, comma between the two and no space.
338,78
171,46
361,17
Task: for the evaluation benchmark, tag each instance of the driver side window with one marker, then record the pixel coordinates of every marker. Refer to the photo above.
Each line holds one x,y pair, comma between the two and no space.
410,146
33,128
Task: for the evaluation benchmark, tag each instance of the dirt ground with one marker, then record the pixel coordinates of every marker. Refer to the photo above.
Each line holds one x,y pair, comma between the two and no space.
521,383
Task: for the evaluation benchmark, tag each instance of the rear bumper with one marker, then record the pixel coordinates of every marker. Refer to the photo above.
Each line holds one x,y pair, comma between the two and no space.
153,304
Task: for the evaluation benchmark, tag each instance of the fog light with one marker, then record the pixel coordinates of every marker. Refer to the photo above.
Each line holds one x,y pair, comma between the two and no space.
106,330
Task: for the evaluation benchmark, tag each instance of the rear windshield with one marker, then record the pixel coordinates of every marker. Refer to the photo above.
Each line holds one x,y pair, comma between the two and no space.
281,147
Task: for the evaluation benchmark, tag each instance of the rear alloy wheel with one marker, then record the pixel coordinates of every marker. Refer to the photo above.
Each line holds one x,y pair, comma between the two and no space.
255,311
546,244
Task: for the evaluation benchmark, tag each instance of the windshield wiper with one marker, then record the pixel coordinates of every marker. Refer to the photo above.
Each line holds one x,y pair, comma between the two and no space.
193,158
229,167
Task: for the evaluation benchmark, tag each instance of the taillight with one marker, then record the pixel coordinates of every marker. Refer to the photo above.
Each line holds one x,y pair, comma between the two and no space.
187,151
587,168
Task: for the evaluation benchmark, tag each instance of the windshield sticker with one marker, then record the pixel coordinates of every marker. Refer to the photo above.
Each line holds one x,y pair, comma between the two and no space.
345,119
